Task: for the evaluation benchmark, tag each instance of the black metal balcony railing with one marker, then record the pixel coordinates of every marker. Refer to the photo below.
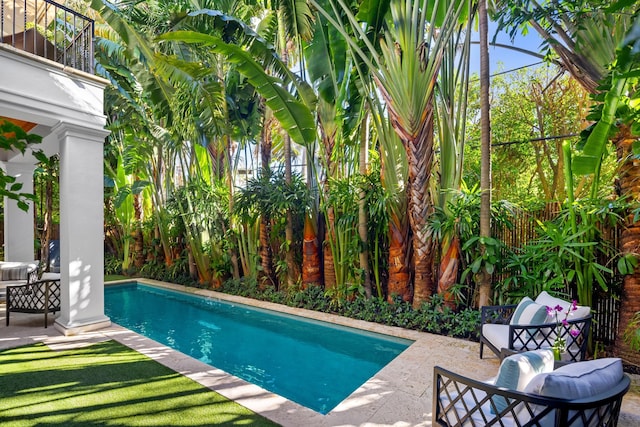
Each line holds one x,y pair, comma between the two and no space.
49,30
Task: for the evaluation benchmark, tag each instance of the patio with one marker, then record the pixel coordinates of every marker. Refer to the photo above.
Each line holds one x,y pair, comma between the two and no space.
399,395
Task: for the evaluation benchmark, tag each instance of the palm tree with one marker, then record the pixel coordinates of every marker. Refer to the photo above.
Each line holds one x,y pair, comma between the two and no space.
405,73
484,291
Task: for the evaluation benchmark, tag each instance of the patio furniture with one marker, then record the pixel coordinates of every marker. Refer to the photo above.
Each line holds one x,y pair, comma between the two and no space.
40,297
528,392
506,329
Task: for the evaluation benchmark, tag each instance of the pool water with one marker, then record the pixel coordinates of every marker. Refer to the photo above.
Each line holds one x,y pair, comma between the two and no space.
315,364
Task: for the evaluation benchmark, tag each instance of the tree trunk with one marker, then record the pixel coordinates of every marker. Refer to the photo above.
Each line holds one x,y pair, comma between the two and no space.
328,134
233,253
266,254
48,222
399,261
629,242
138,235
363,217
293,270
449,266
420,157
311,263
484,288
327,253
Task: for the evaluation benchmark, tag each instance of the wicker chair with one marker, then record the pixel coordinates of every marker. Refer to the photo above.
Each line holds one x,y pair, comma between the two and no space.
461,401
39,297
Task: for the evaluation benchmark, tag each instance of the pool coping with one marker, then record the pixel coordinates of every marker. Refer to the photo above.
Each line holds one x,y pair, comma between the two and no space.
397,395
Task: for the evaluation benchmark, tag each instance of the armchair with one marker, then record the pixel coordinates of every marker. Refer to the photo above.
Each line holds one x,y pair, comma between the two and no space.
575,395
504,332
40,297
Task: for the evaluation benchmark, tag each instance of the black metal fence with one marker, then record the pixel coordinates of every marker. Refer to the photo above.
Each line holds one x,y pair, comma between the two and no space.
49,30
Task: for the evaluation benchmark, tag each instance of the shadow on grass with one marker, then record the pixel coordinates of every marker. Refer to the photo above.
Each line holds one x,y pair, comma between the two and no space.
106,384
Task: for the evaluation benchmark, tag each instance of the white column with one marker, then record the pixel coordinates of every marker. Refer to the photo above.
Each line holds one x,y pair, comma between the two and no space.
81,229
18,224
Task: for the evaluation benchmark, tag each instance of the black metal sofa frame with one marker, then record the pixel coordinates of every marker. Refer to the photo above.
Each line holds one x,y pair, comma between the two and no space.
534,337
39,297
457,399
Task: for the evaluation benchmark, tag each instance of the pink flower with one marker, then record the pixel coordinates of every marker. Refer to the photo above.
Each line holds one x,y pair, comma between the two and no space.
574,332
565,322
574,305
558,308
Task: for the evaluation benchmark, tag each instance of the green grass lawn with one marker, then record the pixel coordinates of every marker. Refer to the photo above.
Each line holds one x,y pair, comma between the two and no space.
106,384
112,277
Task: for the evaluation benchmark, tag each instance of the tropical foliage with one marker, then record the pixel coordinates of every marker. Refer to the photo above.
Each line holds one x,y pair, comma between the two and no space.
334,154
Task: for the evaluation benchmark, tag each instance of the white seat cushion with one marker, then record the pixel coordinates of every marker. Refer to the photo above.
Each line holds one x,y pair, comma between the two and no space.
50,276
496,334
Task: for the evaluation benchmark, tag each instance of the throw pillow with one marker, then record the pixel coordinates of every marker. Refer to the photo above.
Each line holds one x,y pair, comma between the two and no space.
516,371
529,313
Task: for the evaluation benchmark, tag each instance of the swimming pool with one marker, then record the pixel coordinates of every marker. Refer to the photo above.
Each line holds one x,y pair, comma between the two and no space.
313,363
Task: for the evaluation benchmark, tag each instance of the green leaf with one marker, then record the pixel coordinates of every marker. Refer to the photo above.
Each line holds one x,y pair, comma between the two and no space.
475,267
22,205
138,186
293,115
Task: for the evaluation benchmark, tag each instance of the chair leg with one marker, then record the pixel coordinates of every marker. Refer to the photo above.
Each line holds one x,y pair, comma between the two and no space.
481,348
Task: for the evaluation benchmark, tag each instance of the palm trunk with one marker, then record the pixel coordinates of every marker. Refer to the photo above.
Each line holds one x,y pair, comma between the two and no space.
293,270
48,222
311,263
327,254
138,235
363,218
484,291
328,133
420,157
399,261
233,254
449,266
266,253
629,242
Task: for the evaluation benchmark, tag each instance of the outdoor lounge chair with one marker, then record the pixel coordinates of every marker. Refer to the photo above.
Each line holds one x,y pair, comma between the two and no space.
40,297
507,329
529,393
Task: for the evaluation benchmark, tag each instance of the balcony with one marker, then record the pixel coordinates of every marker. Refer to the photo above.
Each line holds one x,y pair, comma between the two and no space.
49,30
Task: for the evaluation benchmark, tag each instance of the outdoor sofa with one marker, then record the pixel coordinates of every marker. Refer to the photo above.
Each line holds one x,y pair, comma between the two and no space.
528,391
507,329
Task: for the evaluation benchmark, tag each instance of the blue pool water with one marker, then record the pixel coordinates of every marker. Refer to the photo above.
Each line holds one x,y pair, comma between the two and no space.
313,363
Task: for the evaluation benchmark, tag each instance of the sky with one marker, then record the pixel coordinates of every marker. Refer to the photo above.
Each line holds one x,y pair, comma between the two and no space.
509,59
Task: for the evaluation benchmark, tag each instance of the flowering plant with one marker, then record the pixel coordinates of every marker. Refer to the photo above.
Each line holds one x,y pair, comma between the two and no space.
560,343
